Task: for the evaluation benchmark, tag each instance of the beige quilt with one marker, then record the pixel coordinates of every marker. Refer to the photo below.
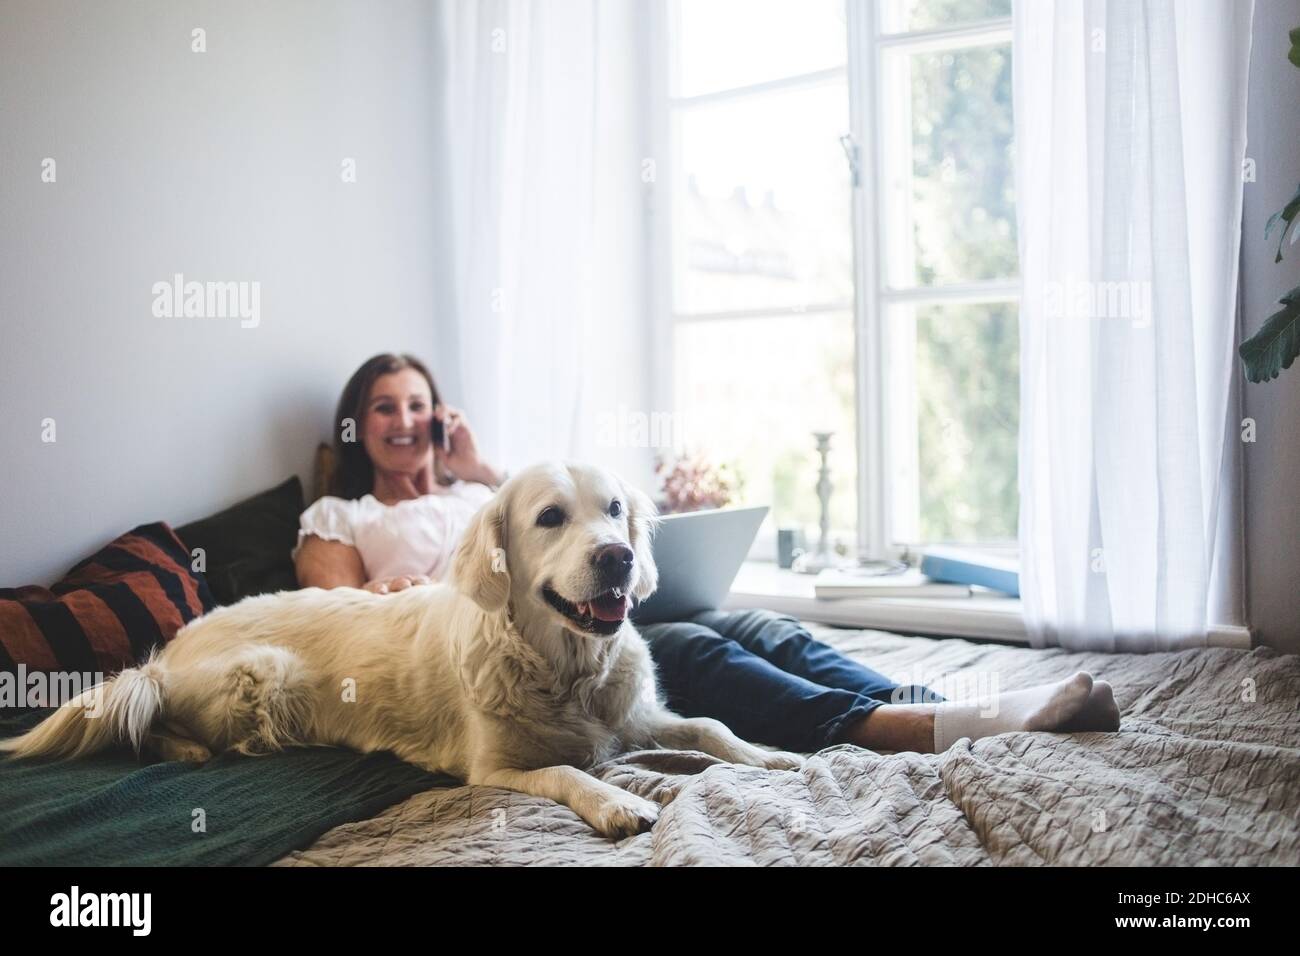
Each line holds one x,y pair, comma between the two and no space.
1204,770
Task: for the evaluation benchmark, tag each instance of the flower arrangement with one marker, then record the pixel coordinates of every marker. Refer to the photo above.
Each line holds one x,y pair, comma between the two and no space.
693,483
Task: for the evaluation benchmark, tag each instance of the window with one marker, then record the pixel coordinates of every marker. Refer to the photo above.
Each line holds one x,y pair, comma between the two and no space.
841,256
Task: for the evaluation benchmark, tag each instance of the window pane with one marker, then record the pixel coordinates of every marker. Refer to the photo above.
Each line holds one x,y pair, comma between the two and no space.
752,391
948,165
902,15
762,203
722,44
953,402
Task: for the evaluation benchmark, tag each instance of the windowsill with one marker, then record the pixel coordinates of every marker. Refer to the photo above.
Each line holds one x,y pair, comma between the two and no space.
988,615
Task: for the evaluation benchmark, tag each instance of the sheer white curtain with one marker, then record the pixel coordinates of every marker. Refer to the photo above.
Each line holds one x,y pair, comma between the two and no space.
542,326
1131,133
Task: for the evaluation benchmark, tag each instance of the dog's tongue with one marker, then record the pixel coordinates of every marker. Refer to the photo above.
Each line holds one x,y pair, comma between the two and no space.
610,606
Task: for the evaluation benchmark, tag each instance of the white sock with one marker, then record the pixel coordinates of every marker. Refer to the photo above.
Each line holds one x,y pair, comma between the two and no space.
1045,707
1100,713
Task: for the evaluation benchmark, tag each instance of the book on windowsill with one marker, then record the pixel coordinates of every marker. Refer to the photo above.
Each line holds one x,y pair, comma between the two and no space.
963,566
835,583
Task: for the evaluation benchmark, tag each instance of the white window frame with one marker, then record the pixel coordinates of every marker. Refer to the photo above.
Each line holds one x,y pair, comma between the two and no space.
867,42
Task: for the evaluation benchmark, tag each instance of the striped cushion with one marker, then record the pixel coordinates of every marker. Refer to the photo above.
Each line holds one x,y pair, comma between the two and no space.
109,611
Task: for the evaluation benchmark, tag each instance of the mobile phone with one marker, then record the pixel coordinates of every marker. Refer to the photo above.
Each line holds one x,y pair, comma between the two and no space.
439,434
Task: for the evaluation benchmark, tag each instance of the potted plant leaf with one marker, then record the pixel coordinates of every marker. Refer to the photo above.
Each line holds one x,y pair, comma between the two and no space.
1276,345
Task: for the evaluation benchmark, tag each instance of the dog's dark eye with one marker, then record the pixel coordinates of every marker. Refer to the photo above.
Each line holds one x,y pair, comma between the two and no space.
615,508
550,518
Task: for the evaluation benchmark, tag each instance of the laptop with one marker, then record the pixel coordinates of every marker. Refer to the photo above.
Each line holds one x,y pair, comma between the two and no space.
698,554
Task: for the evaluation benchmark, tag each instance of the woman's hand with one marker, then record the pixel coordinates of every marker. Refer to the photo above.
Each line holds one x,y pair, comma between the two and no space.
461,454
393,585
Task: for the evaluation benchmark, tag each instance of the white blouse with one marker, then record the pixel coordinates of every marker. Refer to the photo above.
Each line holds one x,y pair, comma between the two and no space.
417,536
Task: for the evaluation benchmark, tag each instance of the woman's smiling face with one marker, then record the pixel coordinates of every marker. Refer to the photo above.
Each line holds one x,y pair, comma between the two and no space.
396,427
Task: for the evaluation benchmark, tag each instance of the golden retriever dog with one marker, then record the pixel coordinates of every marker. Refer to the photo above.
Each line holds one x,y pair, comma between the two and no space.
518,673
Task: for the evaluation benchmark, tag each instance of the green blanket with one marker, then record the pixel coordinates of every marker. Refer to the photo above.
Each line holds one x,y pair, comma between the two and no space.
113,810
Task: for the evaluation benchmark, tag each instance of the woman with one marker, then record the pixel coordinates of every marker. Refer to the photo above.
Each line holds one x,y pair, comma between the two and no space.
400,501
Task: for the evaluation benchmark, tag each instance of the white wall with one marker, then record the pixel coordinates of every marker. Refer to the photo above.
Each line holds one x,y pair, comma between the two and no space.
1272,462
223,165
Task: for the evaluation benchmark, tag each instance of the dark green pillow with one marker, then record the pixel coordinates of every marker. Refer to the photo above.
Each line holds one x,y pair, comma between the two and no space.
247,546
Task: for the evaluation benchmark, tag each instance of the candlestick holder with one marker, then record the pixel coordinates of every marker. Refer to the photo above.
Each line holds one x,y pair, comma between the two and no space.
822,558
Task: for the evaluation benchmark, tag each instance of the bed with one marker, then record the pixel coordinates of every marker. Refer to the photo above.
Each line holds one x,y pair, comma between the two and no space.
1205,770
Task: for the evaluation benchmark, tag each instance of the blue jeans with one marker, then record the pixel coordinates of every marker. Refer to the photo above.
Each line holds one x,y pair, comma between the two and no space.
765,677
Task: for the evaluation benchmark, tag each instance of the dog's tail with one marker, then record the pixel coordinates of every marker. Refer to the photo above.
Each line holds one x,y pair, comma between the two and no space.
120,710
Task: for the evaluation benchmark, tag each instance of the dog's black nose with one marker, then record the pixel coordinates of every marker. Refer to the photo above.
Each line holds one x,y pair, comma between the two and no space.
613,563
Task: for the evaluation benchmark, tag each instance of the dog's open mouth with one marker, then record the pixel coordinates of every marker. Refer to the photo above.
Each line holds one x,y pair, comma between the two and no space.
602,614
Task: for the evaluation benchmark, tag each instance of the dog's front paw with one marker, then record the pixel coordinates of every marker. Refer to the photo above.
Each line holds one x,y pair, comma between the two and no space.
770,759
625,816
782,760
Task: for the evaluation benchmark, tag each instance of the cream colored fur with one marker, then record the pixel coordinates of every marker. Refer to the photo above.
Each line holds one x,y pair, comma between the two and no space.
480,678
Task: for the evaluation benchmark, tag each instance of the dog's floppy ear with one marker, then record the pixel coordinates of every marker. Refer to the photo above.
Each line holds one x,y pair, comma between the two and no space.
642,522
480,568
